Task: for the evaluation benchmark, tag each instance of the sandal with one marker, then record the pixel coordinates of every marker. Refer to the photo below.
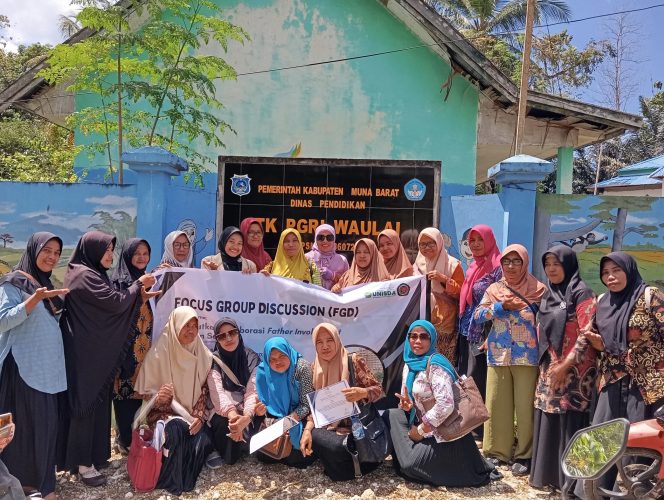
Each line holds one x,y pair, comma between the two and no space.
92,477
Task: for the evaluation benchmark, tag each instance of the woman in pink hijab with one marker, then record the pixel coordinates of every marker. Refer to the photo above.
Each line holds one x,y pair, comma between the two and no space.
253,243
482,272
332,265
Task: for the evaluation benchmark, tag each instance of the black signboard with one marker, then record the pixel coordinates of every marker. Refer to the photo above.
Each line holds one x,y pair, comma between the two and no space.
359,198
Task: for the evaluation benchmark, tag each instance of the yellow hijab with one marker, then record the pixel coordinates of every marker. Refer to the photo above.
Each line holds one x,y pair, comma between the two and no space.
291,267
169,362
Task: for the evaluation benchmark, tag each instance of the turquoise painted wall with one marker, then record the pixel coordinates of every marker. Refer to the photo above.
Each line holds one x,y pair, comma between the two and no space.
388,106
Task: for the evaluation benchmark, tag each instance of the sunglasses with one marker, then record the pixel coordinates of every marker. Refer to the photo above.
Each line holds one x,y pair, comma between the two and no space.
419,336
323,237
229,335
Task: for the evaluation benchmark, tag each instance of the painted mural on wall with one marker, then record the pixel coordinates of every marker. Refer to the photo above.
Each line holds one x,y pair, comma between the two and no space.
65,210
596,225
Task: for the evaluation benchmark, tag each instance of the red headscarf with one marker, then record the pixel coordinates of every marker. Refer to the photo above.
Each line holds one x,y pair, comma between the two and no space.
481,265
257,255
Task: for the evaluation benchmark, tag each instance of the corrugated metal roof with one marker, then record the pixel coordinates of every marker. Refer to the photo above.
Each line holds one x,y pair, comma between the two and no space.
630,180
658,174
649,164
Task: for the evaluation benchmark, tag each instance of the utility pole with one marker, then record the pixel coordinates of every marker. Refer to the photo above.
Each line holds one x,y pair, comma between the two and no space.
525,73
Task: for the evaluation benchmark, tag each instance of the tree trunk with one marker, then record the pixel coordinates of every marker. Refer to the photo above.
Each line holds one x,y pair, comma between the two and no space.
619,230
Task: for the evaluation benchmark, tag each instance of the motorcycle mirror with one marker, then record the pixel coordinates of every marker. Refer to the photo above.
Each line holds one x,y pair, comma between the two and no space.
593,451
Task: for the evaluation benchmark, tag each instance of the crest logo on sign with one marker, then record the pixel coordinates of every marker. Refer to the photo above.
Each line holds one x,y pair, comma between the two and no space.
240,184
415,190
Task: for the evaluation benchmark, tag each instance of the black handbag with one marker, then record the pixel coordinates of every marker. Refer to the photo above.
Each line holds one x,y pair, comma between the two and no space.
376,443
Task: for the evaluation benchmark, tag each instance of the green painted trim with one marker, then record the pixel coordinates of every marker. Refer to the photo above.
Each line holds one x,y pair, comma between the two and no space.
565,170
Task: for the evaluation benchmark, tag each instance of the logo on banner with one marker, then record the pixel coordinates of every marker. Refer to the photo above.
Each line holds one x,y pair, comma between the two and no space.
240,184
403,289
414,190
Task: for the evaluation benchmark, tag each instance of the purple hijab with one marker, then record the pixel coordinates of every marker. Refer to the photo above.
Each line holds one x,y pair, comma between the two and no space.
328,263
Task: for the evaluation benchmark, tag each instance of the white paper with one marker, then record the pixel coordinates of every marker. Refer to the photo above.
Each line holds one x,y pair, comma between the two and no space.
266,436
329,404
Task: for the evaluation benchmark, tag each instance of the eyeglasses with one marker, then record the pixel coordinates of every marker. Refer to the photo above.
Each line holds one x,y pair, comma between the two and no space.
182,245
323,237
427,244
511,262
419,336
229,335
254,234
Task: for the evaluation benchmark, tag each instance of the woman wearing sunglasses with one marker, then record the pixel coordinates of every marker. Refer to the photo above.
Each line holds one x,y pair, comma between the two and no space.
232,383
331,265
422,454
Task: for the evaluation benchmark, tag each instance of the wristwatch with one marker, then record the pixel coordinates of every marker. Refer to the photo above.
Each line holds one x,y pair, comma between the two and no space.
420,430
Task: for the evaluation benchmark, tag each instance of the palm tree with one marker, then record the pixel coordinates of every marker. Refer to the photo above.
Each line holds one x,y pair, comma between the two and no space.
486,17
68,25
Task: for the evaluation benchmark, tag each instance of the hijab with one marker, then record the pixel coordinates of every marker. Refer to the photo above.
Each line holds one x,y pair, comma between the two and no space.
95,324
170,362
330,372
375,271
417,363
481,265
28,264
398,266
242,361
257,255
615,308
169,257
559,302
331,260
525,284
126,273
280,392
442,261
230,263
296,267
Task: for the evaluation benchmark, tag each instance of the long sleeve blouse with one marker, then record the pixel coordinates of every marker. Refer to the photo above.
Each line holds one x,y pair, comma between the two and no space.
223,400
164,411
436,384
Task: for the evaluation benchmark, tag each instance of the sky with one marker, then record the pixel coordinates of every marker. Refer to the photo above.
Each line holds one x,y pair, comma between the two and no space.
37,21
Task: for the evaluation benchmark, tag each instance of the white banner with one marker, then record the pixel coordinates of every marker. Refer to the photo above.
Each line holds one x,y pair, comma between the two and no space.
375,316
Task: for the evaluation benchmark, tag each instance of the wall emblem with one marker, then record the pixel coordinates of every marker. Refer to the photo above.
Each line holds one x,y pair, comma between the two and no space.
414,190
240,184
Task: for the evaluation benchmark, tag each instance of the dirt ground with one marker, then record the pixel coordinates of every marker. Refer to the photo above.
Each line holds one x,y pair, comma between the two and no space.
250,479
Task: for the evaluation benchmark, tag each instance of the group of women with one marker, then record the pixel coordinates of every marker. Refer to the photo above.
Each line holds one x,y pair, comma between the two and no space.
535,351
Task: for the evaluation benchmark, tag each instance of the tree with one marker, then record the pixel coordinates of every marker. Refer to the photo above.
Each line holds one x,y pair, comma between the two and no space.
157,69
6,238
14,64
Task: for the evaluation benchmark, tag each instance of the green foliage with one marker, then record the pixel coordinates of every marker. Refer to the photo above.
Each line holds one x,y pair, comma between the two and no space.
34,151
594,448
14,64
156,71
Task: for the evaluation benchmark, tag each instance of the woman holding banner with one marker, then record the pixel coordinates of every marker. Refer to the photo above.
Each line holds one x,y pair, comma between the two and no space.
229,258
290,261
446,276
394,254
253,249
367,266
176,370
283,380
421,453
331,264
232,383
333,364
177,250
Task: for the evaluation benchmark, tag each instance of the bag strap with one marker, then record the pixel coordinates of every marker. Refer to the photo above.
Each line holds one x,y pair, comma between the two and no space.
530,304
351,370
650,290
143,412
458,377
229,373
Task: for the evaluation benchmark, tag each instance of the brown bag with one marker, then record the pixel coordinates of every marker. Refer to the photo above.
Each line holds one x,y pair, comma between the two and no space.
278,449
469,409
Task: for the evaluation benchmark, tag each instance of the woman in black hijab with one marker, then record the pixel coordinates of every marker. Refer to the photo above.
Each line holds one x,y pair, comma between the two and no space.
134,259
232,392
229,257
630,326
567,365
97,333
32,363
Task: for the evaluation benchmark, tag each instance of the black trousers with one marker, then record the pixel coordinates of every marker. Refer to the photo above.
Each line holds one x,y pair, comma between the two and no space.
125,410
230,450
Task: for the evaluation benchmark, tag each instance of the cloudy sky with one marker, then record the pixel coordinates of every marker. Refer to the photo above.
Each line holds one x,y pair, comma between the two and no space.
37,21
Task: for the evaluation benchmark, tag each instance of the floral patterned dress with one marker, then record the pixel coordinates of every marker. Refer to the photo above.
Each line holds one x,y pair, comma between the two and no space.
123,387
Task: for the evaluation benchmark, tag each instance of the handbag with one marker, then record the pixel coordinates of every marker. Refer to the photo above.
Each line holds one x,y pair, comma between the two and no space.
469,409
144,461
278,449
376,443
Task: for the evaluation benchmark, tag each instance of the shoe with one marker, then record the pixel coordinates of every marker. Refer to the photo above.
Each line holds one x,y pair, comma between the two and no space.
521,467
93,478
495,475
495,461
214,461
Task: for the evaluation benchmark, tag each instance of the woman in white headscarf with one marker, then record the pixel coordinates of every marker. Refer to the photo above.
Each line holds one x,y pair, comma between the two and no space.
177,250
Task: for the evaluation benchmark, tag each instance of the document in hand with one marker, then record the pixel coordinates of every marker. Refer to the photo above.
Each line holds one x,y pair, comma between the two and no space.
329,404
271,433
